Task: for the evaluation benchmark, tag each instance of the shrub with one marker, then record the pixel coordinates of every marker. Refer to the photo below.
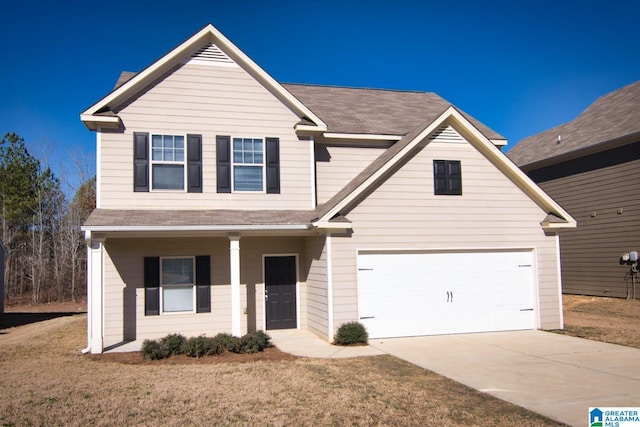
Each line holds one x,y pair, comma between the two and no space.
173,343
201,346
227,341
351,333
251,343
153,350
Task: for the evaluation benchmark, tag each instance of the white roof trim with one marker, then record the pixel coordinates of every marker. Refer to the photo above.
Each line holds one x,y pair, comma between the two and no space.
178,228
362,136
177,54
94,122
327,225
499,142
482,144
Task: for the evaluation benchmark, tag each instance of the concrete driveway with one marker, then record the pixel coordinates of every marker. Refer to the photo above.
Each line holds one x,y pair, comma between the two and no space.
554,375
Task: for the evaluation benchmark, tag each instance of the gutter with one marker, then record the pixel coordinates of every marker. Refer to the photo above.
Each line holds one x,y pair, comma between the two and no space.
225,228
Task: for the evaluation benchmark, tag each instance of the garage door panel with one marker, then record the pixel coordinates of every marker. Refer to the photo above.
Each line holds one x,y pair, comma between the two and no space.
438,293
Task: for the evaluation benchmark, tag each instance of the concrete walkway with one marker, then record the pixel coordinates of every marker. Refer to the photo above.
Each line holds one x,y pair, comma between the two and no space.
554,375
306,344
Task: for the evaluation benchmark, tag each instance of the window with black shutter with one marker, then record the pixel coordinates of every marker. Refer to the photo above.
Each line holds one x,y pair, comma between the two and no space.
447,177
171,283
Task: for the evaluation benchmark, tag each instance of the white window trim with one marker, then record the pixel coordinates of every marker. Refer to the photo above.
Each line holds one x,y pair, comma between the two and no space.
193,288
263,165
164,162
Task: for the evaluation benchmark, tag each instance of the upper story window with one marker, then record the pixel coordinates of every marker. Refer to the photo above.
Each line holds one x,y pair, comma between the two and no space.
167,162
447,177
170,162
248,164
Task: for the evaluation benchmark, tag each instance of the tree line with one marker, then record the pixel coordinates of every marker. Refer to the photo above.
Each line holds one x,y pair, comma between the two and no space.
45,249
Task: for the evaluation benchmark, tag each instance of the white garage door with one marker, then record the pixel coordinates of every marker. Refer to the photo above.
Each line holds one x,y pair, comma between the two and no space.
412,294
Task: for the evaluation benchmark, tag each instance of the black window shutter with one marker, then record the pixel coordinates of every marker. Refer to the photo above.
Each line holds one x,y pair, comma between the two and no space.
151,286
203,284
273,165
223,169
140,161
439,177
455,177
194,166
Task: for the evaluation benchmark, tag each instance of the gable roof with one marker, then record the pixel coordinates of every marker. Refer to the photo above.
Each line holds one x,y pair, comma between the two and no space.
375,111
373,174
128,86
612,120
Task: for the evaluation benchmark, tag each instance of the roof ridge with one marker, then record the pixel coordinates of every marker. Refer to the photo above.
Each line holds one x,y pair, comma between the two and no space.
319,85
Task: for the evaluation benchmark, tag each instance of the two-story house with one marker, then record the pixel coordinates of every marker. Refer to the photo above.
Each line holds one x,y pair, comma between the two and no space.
229,202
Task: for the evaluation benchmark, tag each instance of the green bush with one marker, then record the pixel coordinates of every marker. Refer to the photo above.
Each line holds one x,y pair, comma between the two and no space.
202,346
227,341
251,343
173,343
153,350
351,333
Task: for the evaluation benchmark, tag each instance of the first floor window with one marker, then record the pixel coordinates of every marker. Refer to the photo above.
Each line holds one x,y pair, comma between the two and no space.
177,280
167,162
447,177
177,285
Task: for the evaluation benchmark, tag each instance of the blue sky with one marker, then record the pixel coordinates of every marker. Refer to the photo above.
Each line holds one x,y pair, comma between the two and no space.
519,67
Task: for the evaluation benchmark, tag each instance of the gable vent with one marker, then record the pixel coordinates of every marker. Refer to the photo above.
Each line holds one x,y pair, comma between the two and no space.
446,133
211,55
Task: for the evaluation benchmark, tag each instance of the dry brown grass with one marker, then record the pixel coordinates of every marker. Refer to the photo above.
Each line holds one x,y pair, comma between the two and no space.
612,320
45,381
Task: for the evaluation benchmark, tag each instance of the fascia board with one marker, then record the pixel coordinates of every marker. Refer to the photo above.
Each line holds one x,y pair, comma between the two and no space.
387,166
226,46
553,226
168,228
93,122
475,137
499,142
326,225
362,136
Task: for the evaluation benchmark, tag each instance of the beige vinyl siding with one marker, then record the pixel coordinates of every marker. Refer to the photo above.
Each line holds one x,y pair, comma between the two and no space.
124,317
316,301
606,204
210,101
336,165
403,213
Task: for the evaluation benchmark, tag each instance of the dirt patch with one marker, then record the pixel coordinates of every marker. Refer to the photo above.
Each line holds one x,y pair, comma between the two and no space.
612,320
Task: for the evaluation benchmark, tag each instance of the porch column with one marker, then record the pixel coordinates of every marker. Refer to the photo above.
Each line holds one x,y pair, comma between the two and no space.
234,260
95,294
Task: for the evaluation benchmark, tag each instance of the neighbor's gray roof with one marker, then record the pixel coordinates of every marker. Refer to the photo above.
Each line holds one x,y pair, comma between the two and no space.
612,116
375,111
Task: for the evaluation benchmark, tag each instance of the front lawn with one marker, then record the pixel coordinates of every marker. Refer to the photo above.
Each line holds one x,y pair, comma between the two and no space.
45,381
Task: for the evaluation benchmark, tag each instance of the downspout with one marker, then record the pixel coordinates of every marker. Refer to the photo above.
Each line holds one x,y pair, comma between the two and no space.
87,238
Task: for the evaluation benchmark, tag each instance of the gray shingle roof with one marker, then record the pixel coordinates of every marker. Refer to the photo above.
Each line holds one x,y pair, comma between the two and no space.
181,218
612,116
375,111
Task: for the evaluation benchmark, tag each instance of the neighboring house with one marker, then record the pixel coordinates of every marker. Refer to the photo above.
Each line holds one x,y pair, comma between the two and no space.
228,202
590,166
